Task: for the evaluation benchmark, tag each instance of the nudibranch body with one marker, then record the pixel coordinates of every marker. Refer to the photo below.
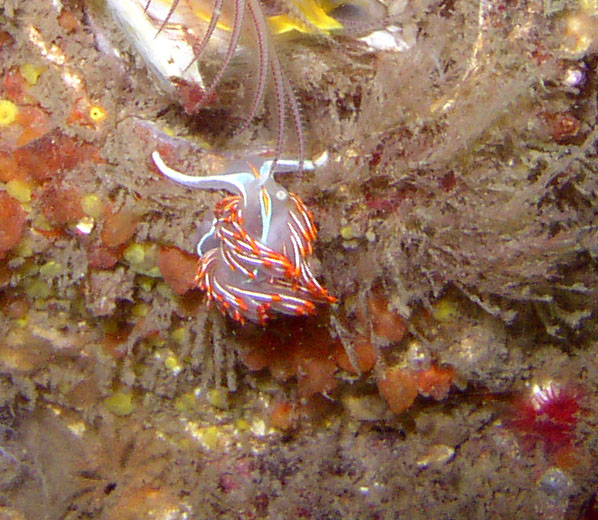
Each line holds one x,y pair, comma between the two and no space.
254,260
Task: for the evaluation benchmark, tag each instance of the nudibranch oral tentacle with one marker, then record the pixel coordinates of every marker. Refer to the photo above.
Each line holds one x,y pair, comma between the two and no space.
254,260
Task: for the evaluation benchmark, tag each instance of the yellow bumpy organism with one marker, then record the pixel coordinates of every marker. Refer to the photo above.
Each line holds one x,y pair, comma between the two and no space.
8,112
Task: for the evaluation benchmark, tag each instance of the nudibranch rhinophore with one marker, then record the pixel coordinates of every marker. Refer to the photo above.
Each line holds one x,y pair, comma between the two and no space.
254,260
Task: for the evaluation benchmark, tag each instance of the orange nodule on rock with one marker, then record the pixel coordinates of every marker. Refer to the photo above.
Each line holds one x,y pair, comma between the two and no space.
178,269
112,345
567,457
68,21
27,135
101,257
13,86
271,351
365,356
400,386
119,227
282,415
265,355
386,324
435,382
54,152
61,205
561,125
35,123
306,351
12,223
399,389
6,39
316,375
190,303
79,114
5,274
14,306
9,168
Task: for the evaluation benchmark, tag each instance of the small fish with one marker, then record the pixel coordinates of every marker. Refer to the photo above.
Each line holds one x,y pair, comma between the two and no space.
254,260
